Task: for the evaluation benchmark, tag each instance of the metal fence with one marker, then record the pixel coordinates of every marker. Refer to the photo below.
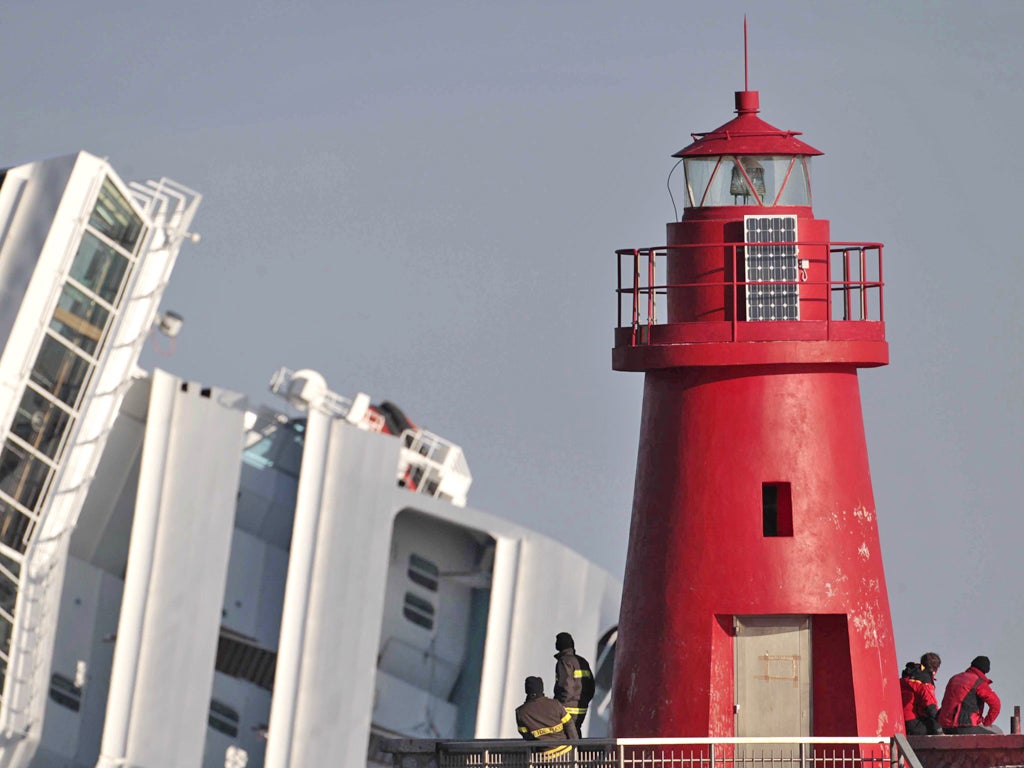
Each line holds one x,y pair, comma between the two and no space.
833,281
762,752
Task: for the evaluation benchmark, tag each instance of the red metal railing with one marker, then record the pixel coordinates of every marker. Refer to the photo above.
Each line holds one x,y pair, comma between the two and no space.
847,277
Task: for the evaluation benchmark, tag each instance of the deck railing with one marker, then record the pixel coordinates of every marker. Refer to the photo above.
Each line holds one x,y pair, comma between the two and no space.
759,752
844,277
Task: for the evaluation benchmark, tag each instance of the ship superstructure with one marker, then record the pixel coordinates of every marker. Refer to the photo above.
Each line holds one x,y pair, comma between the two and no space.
189,579
84,259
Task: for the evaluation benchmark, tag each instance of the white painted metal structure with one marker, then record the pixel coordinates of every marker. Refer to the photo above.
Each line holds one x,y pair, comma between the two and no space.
234,547
188,581
84,259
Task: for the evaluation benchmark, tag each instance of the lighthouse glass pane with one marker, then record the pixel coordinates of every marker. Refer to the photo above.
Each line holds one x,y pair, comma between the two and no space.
761,180
771,258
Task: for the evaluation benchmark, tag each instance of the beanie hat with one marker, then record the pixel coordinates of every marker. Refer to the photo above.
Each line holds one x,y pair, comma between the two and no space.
982,663
534,685
563,640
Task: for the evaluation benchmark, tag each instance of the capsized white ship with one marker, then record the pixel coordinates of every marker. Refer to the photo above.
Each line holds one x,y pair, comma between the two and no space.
190,580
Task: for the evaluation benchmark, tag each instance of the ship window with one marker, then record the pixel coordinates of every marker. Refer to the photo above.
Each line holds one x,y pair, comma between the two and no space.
99,268
241,658
606,659
114,217
776,509
40,423
280,449
423,572
418,611
79,319
14,525
22,475
59,371
64,692
223,719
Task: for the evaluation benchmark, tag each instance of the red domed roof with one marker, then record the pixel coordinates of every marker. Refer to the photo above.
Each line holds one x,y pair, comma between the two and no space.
747,134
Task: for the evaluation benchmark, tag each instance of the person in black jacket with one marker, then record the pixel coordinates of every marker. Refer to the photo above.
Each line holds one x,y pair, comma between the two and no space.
574,682
542,719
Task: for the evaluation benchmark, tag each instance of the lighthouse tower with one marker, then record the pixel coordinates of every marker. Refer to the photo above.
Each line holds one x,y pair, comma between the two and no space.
754,601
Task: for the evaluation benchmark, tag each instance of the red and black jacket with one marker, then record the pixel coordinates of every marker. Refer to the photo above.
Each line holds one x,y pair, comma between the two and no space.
920,707
965,699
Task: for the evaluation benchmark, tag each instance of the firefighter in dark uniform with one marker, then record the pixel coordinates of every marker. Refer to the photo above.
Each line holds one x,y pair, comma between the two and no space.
542,719
574,682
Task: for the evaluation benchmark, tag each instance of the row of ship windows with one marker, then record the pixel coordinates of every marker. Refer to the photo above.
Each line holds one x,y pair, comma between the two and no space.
244,660
249,662
222,718
88,301
426,574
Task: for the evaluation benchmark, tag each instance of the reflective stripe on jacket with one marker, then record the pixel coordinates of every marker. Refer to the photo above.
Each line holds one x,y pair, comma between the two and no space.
544,719
574,682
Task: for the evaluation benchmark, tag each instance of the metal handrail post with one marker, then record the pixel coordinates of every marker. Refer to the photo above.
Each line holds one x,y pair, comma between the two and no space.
735,293
881,287
650,289
847,309
618,292
863,284
828,293
636,293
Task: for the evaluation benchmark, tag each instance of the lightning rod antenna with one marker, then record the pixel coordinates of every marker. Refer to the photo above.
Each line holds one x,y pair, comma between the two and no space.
746,79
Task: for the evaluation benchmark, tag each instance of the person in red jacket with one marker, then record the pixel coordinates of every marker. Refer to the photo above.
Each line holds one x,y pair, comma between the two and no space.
917,687
967,694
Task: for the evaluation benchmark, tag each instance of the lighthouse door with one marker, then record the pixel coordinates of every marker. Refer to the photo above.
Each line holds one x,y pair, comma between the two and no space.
773,675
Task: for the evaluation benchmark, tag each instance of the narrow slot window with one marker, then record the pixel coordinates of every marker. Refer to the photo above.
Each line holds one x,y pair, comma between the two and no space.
423,572
223,719
64,692
418,611
776,509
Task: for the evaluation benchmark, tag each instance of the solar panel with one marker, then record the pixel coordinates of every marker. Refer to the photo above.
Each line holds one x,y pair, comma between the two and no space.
773,263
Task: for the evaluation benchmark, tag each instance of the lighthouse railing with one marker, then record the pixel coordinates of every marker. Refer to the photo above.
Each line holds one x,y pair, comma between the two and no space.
836,292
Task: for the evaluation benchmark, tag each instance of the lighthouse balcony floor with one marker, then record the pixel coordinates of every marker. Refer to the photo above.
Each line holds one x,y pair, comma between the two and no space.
760,752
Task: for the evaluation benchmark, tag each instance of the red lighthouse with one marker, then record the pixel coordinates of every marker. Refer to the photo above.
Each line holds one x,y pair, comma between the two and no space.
754,601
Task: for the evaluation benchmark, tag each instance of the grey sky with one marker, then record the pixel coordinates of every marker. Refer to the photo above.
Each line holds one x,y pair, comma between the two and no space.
422,200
